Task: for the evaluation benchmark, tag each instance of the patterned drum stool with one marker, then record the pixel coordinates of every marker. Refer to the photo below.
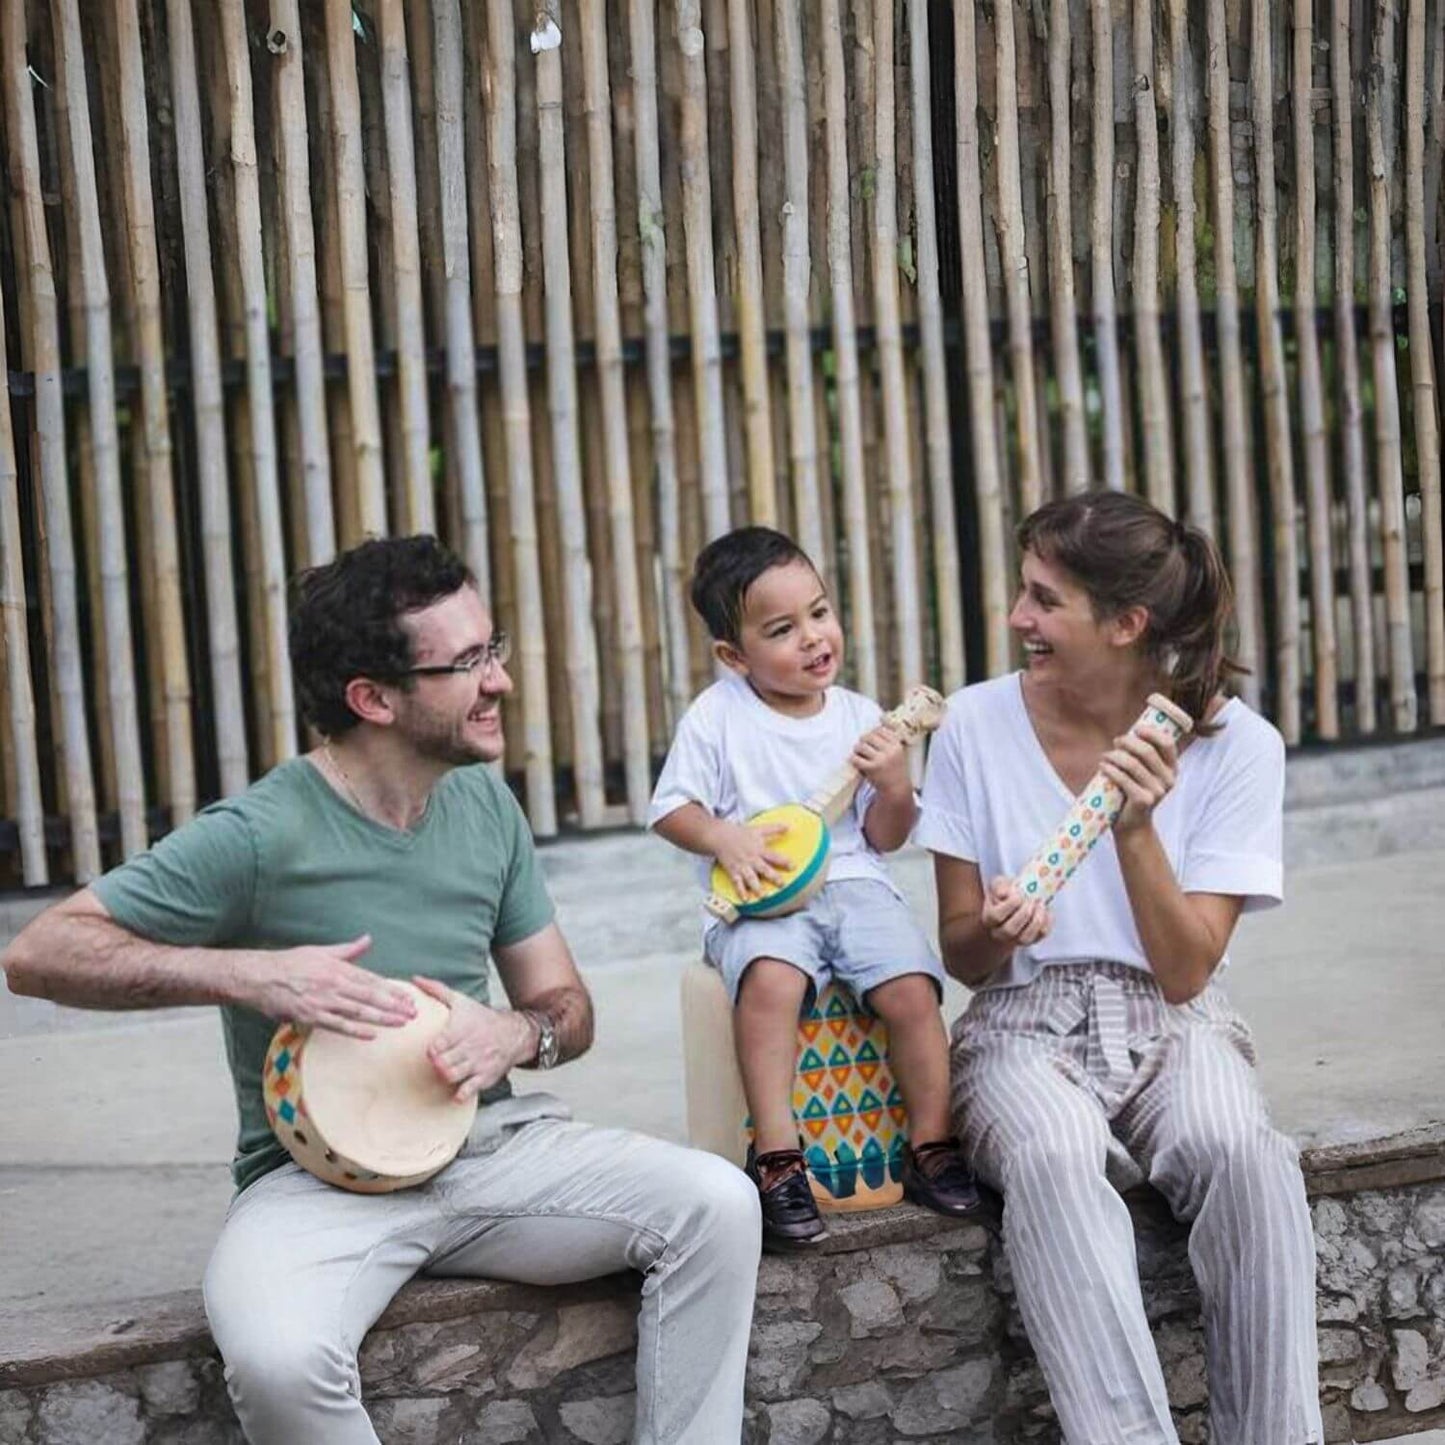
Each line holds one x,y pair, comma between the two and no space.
851,1120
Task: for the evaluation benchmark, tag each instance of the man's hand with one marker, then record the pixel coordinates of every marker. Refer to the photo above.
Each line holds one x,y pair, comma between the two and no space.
743,852
1010,918
479,1045
321,986
882,757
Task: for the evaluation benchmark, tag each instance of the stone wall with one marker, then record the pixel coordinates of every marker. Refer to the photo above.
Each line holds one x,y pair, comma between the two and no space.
902,1328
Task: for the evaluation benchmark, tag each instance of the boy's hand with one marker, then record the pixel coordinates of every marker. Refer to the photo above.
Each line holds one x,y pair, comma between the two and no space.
882,757
1011,918
743,852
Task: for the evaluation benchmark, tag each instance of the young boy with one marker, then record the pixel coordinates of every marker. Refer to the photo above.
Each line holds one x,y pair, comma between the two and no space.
769,732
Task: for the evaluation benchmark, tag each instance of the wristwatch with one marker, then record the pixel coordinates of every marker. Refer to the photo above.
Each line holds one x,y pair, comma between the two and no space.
549,1046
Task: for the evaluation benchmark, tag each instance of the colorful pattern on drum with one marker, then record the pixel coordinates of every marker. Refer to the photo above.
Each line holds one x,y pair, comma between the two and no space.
850,1113
1090,818
286,1113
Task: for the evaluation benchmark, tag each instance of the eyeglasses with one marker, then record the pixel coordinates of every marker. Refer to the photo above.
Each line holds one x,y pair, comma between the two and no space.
498,651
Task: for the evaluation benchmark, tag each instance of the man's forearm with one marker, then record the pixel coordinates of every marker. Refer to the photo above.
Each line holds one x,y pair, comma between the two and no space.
86,960
570,1010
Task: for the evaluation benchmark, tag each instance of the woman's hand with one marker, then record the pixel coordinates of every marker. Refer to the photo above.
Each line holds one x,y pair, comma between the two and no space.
1145,766
742,850
1010,918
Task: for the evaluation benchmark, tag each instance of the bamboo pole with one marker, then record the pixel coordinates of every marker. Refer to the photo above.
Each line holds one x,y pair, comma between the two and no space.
465,429
1388,462
650,219
293,147
165,543
1065,324
421,51
262,440
1194,397
994,551
516,413
1435,158
907,615
1312,402
1153,378
1238,468
845,351
797,278
1274,399
751,322
1422,368
581,641
1101,245
406,268
1010,226
222,633
22,752
351,206
1351,410
702,284
938,443
597,103
115,603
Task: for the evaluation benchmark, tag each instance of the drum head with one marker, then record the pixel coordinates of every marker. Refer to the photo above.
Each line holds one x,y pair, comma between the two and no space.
379,1102
804,845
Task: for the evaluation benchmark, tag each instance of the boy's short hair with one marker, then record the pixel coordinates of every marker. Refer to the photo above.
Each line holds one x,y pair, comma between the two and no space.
728,566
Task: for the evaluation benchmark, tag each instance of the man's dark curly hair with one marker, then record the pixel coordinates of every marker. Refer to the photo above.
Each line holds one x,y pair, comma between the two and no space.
346,619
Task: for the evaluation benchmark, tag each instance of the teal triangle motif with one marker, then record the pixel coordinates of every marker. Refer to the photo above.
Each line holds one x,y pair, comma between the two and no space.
868,1053
812,1059
839,1057
842,1106
870,1100
837,1009
815,1109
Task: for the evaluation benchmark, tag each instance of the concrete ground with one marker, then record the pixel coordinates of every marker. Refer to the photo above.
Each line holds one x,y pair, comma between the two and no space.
116,1129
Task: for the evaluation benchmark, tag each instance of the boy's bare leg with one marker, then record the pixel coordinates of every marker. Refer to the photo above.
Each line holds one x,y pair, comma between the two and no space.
765,1028
935,1174
917,1052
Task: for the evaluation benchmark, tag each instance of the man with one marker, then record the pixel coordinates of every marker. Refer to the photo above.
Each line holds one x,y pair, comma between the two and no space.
383,854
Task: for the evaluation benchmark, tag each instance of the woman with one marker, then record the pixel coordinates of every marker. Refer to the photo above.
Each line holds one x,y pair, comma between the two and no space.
1096,1029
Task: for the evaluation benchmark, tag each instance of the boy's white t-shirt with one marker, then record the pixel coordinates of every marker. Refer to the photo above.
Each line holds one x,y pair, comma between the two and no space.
991,796
736,756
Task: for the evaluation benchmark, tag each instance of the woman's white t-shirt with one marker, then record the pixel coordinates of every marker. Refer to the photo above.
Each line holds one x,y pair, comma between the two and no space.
736,756
991,796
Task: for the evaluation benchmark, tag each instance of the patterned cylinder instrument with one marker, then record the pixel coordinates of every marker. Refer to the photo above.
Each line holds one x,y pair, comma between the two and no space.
1093,813
368,1115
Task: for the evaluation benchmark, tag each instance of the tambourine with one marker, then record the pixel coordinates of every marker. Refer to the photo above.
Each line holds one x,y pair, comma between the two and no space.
368,1115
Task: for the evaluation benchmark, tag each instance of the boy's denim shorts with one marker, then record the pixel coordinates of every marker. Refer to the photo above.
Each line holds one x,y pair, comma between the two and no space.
857,930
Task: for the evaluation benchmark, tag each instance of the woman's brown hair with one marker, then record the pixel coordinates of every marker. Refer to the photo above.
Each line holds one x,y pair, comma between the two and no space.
1126,553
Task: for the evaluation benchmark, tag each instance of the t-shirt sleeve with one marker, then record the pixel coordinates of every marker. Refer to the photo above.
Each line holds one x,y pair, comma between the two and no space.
525,906
945,824
1237,844
692,772
195,887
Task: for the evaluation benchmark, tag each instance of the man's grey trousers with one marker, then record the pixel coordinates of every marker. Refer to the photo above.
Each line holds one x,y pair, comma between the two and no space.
302,1270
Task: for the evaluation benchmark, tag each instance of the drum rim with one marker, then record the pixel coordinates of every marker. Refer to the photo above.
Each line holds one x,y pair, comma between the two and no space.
800,881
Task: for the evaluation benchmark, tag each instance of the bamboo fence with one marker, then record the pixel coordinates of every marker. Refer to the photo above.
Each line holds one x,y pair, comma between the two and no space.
582,286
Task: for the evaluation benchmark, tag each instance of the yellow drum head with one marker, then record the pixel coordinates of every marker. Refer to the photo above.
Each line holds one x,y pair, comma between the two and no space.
804,845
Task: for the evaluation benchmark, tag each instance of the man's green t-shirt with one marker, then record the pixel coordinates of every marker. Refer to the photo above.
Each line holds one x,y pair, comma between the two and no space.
288,862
